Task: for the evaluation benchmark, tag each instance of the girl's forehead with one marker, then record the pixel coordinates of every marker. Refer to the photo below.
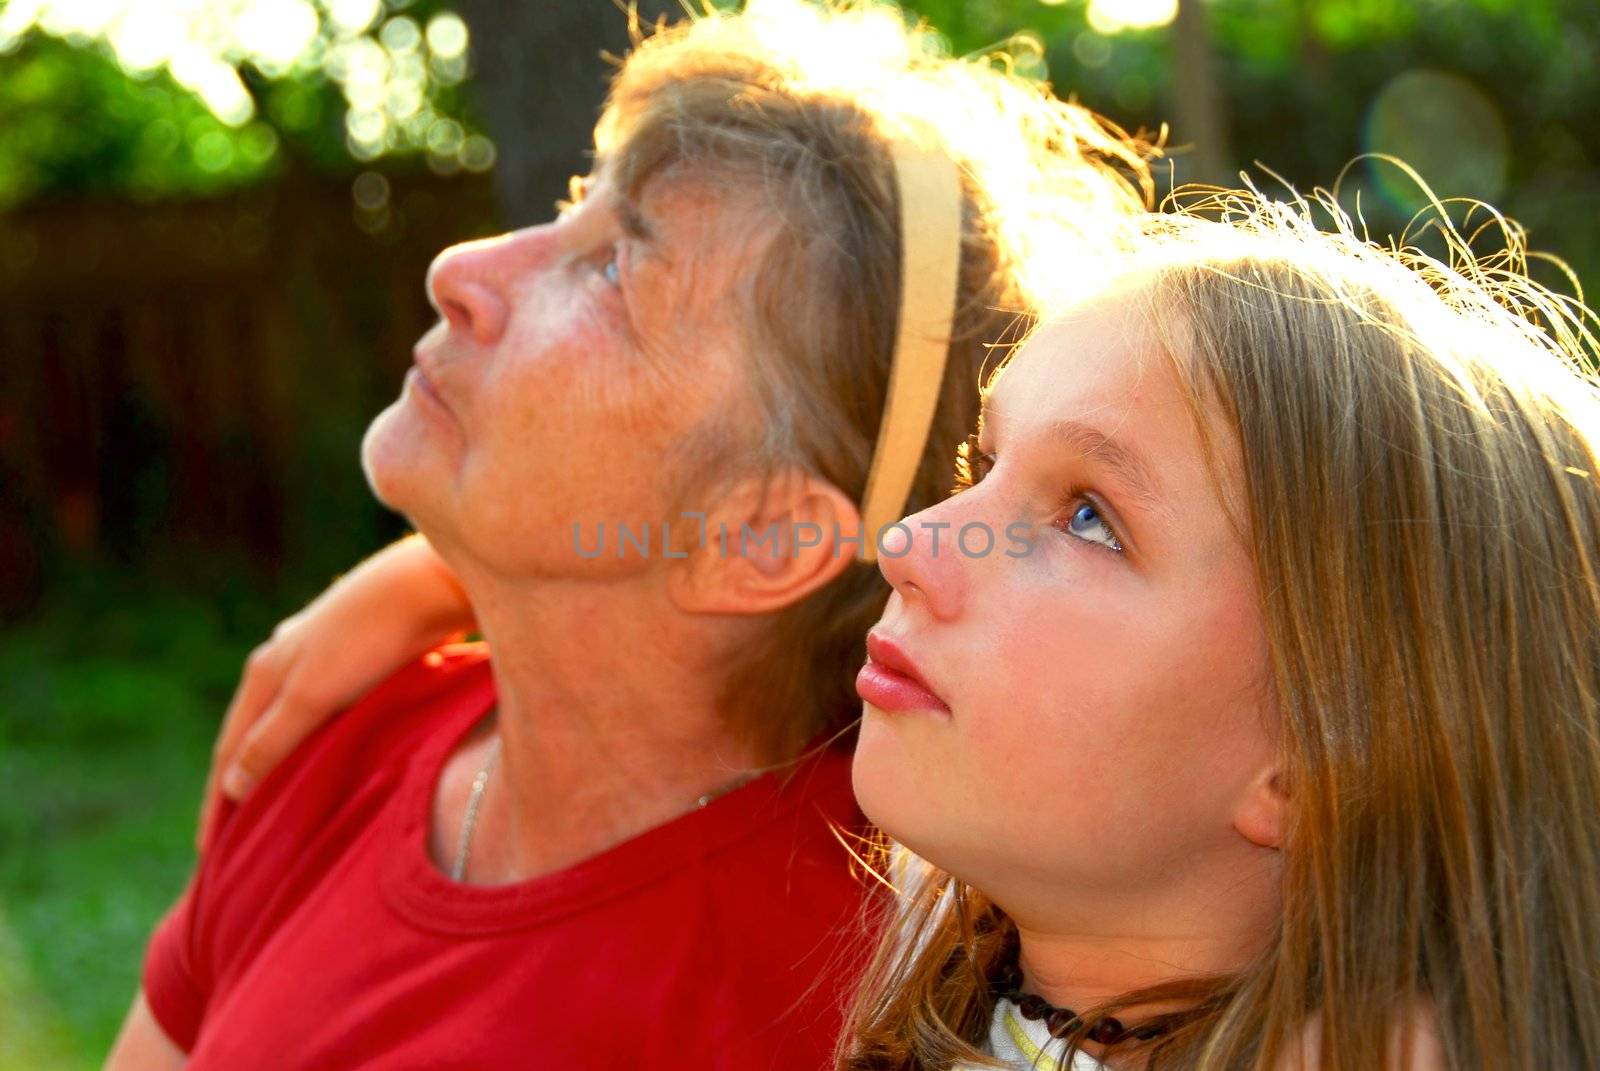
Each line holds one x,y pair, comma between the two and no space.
1086,359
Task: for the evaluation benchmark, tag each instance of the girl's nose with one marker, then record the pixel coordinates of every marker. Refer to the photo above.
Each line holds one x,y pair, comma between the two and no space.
923,560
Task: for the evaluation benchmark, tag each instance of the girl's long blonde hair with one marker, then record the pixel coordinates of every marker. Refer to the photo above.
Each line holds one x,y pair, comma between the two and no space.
1419,444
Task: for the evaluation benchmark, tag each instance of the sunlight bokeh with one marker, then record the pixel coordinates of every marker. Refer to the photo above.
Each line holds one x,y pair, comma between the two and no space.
388,65
1115,16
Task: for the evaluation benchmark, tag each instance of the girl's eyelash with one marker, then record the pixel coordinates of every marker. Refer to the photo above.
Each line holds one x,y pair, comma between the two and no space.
577,190
1073,501
972,465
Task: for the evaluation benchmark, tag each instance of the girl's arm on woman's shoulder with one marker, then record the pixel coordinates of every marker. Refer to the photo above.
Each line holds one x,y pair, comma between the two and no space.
371,622
142,1045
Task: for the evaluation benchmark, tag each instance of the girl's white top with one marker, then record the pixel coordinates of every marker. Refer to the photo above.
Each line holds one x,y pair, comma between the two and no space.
1025,1044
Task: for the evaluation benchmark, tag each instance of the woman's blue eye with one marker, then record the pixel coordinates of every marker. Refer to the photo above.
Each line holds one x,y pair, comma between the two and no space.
1086,524
612,270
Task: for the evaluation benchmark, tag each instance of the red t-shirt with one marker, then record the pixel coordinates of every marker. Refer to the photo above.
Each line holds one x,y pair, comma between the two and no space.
317,933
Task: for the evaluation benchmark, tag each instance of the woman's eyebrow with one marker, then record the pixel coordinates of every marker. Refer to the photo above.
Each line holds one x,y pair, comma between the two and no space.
650,241
634,224
621,202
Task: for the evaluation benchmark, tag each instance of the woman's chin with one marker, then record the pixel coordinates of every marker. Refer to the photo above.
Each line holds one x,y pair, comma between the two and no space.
392,459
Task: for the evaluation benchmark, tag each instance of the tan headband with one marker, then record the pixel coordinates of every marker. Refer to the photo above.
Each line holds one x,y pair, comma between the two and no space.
930,254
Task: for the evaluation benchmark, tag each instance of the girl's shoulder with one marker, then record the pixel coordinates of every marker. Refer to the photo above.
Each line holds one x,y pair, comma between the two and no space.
1416,1045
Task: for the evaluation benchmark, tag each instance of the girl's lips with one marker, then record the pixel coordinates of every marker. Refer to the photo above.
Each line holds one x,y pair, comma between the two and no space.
890,681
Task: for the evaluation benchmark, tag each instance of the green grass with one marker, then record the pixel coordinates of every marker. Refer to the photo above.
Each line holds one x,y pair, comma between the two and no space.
108,702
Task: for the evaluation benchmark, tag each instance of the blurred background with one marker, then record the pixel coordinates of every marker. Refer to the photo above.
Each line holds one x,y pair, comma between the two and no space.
215,216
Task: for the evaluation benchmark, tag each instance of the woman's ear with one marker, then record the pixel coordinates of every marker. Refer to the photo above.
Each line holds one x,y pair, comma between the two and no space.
770,543
1263,810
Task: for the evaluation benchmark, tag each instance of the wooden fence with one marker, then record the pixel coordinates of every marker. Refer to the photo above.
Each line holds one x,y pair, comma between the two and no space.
190,378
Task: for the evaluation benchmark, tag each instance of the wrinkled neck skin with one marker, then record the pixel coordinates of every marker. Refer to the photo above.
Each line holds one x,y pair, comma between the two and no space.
608,715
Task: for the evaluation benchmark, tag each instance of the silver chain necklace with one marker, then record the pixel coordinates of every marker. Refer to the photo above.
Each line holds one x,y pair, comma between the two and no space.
474,799
469,822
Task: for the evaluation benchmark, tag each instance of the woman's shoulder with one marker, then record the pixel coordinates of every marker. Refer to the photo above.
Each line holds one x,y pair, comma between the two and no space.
441,677
346,768
437,692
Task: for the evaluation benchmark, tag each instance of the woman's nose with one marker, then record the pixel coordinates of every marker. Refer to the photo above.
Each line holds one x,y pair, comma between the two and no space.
471,284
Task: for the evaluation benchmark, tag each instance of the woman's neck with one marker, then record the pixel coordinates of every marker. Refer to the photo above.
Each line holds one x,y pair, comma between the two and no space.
609,724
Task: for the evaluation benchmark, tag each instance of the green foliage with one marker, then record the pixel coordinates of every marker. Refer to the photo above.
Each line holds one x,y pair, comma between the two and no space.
72,123
1301,82
111,696
75,119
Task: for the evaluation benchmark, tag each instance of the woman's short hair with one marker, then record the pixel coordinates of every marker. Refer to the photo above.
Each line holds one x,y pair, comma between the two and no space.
794,107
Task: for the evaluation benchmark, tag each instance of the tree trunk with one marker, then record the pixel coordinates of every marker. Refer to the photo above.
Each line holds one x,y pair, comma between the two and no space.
1199,125
540,79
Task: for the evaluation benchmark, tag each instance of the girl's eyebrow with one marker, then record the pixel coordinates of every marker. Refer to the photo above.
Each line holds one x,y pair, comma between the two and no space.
988,411
1124,463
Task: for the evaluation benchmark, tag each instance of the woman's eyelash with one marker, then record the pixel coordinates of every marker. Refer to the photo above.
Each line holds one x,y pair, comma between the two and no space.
607,264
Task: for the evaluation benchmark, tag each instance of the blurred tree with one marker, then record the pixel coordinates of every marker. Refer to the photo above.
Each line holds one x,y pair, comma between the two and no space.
1196,95
540,80
123,96
72,122
137,98
1491,99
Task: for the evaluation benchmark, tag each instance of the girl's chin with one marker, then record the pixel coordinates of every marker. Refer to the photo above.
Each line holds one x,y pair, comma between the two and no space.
890,786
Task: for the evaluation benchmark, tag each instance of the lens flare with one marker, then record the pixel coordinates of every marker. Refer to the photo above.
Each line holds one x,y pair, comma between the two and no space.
1443,126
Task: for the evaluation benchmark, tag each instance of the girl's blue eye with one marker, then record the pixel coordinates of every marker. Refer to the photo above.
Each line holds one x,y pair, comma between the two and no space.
1086,524
612,270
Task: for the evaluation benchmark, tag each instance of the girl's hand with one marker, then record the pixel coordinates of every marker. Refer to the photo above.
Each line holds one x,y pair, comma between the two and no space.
387,611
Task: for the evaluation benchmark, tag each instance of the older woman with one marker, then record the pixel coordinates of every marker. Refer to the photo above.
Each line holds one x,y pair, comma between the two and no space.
609,842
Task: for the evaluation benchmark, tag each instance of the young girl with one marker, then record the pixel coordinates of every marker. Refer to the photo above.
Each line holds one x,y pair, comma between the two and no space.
1280,745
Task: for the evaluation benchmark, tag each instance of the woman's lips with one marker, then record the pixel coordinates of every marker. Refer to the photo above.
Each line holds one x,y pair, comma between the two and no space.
890,681
420,385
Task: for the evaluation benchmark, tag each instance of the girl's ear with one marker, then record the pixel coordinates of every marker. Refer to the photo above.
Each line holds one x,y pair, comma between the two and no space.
1263,810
